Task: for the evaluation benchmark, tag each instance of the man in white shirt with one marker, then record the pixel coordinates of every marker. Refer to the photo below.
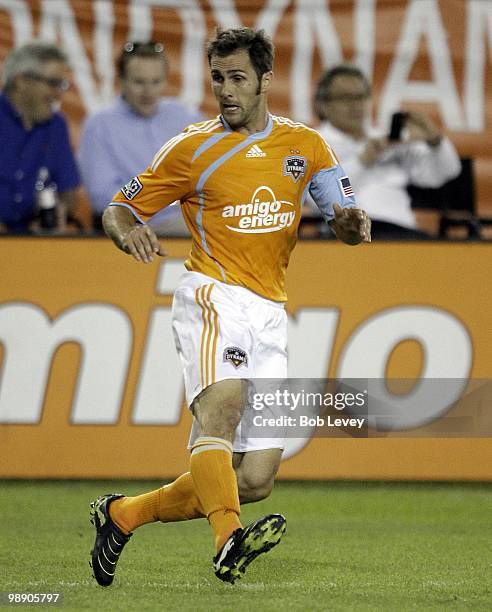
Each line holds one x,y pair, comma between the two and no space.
380,169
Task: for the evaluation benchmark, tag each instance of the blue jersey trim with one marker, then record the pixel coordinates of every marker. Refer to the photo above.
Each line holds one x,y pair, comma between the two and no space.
325,189
209,143
129,208
212,168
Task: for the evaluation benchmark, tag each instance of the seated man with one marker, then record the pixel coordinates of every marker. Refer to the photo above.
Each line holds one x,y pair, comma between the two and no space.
380,169
35,149
117,142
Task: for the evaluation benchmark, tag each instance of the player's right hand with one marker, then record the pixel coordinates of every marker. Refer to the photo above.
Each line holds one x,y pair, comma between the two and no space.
142,244
351,224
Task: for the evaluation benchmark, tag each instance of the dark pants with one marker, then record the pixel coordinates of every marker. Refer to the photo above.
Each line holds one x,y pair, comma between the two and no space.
381,230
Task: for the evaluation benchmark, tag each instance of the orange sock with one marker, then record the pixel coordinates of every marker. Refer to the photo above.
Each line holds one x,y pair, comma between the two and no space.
216,485
173,502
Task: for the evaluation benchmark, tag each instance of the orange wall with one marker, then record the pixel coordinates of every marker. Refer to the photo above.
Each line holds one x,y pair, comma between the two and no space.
58,277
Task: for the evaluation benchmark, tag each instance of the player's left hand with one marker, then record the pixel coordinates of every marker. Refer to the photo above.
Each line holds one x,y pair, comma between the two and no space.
352,225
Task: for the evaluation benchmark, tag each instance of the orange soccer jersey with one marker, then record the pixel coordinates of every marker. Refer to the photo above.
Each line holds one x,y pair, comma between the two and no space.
241,196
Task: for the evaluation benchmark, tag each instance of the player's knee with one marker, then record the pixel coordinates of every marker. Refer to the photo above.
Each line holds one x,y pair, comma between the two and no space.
254,487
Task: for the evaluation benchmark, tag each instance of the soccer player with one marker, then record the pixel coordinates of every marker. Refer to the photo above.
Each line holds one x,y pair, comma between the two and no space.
241,179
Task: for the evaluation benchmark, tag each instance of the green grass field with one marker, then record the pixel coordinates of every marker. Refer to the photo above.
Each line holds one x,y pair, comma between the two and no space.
348,546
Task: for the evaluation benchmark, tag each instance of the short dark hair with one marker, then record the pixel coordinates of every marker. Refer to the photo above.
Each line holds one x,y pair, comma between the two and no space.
322,93
150,49
258,44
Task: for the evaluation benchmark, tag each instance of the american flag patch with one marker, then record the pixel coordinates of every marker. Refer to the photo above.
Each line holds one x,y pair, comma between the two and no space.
346,186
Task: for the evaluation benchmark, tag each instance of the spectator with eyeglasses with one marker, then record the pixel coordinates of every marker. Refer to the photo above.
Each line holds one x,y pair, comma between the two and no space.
35,149
117,142
381,166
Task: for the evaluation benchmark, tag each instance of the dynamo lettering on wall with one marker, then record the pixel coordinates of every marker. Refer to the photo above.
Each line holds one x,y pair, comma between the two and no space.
314,29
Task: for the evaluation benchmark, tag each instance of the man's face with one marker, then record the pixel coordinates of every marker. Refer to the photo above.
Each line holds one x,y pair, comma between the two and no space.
236,87
347,105
143,84
40,92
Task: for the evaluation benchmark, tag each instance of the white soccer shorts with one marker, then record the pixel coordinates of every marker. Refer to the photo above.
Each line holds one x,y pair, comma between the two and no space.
225,331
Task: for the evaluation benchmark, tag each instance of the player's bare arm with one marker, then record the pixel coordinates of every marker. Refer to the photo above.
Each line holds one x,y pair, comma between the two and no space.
351,225
135,239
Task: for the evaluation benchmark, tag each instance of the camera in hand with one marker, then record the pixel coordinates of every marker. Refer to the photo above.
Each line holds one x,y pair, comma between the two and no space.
46,199
398,121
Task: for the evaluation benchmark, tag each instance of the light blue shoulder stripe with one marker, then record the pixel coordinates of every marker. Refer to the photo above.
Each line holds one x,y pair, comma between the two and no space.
211,169
129,208
209,143
218,162
201,230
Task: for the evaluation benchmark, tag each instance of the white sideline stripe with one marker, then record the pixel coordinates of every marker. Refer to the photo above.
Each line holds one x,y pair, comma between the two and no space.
170,144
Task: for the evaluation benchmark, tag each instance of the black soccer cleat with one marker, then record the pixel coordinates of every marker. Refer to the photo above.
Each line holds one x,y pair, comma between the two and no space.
110,540
244,545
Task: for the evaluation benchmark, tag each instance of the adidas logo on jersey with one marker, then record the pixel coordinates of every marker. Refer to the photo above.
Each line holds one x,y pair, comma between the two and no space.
255,151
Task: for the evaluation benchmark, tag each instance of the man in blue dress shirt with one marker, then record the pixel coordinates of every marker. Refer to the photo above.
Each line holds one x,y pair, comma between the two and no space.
34,139
118,142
